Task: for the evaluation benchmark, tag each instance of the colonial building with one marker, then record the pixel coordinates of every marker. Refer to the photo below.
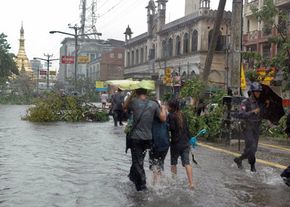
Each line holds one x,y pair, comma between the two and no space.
22,61
255,39
181,45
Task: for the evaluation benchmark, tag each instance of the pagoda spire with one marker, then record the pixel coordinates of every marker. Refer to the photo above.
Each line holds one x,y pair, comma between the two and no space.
22,60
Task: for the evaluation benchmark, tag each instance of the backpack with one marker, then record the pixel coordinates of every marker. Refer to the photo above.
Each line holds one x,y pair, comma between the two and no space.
160,135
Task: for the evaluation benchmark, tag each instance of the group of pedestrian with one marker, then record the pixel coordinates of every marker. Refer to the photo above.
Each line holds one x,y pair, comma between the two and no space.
158,128
152,124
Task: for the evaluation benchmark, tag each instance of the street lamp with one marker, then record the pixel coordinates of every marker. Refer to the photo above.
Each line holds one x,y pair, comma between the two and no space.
48,60
76,36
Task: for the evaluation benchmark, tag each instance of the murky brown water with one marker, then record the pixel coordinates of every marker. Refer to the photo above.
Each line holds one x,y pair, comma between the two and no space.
84,165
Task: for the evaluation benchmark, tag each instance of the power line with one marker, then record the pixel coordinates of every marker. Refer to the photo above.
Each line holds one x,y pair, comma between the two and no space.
113,7
112,23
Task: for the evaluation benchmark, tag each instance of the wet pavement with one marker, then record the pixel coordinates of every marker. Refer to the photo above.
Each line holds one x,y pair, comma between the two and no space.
84,165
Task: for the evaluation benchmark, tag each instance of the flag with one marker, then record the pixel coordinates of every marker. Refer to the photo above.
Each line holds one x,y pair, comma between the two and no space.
243,78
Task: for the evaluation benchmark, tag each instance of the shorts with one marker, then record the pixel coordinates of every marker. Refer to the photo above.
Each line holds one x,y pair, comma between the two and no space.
156,159
184,154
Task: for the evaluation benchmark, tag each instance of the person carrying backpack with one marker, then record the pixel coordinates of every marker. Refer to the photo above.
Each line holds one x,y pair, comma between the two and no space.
160,146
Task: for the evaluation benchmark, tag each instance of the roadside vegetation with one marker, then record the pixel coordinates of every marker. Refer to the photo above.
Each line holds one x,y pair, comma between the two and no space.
55,107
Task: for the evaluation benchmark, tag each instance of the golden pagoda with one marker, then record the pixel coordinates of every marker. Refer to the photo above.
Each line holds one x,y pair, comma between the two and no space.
22,61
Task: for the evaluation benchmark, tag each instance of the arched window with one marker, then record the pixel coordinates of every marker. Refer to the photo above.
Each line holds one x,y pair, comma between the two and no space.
178,45
132,58
194,42
170,47
164,48
220,45
185,43
128,59
137,56
142,55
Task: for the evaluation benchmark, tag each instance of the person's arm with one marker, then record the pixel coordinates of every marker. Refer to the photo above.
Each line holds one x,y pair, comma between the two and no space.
162,115
245,114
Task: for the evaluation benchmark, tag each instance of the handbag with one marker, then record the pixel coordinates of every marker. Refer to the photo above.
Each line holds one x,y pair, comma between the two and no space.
133,127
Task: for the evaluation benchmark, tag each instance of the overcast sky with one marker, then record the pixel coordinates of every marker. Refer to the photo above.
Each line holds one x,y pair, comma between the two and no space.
41,16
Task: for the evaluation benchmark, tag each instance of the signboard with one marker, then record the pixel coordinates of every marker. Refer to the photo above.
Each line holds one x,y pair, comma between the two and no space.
167,77
100,86
83,59
42,72
52,72
266,75
67,59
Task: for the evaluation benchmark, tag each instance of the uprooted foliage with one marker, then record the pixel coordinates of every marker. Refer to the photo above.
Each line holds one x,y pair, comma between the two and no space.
54,107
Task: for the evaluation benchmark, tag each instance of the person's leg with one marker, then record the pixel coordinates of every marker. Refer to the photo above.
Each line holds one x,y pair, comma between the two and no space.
248,143
115,117
186,164
254,148
138,155
173,159
188,170
120,117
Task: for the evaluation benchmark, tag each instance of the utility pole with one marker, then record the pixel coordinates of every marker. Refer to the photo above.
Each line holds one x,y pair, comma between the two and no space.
236,47
76,29
48,60
76,36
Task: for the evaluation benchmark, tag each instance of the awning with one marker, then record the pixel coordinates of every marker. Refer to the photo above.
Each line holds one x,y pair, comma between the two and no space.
132,85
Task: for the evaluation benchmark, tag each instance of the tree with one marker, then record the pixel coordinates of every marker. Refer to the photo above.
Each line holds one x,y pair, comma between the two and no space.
213,41
275,21
7,64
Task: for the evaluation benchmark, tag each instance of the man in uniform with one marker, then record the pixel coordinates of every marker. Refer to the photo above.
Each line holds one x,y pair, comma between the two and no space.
250,114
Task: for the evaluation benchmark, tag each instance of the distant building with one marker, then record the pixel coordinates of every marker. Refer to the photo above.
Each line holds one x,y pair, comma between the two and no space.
91,48
255,39
181,45
109,66
22,61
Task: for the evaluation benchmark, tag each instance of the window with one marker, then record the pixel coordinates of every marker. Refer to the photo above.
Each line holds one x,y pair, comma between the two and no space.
185,43
137,56
132,58
221,41
112,55
128,59
120,55
266,50
164,48
142,55
194,41
178,45
170,47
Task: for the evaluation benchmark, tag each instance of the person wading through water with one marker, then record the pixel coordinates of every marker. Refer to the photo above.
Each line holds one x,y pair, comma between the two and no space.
140,138
250,113
158,152
179,146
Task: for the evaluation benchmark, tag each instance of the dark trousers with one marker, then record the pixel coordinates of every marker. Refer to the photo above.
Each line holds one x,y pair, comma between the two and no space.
251,135
137,172
118,116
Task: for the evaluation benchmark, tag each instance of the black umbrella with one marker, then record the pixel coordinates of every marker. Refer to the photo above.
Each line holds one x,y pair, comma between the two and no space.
272,107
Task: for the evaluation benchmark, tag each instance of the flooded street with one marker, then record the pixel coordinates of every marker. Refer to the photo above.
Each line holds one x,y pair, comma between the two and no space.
85,165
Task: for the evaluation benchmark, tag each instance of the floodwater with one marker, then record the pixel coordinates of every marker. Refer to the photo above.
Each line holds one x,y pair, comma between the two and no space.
84,165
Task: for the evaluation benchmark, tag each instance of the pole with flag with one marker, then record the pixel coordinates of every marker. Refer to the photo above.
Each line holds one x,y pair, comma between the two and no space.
243,78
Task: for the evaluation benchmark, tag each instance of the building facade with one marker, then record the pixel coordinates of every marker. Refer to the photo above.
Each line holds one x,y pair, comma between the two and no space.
181,45
110,66
90,48
255,39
